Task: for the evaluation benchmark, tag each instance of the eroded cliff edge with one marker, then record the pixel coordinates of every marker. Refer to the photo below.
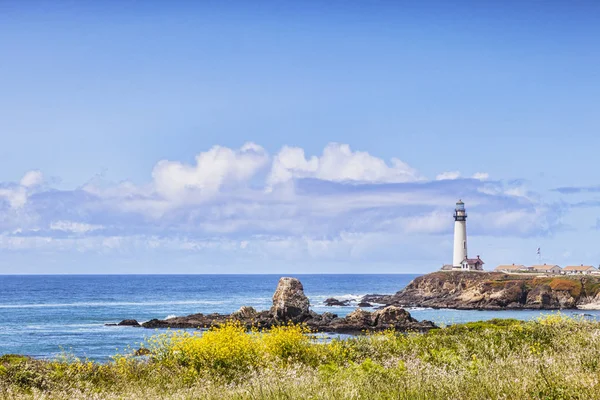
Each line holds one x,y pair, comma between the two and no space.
495,291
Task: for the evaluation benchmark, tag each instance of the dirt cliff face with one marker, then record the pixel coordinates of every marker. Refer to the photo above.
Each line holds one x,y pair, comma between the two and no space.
488,290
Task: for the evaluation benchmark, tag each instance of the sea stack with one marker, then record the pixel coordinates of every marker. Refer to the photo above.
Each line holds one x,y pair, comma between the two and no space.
290,304
289,301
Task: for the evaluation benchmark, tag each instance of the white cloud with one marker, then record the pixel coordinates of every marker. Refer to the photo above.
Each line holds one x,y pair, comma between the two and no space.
290,162
338,163
74,227
32,179
113,243
16,195
516,189
214,169
222,195
516,221
519,191
449,175
435,222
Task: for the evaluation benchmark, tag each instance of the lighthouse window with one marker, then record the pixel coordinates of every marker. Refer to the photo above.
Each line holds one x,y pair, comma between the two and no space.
464,244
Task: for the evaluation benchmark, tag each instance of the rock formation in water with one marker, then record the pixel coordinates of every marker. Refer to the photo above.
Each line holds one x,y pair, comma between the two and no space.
494,291
290,304
289,301
332,302
129,322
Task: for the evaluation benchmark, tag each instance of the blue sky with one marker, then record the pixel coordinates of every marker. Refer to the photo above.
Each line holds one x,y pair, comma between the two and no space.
276,137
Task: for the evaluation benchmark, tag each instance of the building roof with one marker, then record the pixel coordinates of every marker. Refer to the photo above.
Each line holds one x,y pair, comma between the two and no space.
579,268
544,267
510,267
474,260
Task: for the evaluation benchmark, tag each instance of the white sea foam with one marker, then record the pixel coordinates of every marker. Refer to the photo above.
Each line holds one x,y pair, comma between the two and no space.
171,316
112,304
353,298
65,327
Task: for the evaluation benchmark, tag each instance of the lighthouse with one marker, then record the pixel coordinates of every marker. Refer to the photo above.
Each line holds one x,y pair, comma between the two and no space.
460,235
460,261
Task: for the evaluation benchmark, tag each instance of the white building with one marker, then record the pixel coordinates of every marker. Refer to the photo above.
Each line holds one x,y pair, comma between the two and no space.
580,270
472,264
547,269
460,235
508,269
460,260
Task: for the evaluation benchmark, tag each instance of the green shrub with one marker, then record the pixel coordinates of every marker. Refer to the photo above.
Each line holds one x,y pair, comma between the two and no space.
554,357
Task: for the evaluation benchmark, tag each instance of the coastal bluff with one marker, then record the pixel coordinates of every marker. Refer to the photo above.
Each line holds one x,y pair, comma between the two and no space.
495,291
290,305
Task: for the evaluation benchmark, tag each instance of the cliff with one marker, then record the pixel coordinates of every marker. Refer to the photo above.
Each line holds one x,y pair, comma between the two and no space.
492,291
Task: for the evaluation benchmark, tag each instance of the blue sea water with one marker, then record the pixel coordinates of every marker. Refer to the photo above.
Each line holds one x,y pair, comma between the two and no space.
43,316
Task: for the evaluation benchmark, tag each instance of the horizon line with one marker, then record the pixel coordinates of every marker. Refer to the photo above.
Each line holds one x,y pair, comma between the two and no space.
207,274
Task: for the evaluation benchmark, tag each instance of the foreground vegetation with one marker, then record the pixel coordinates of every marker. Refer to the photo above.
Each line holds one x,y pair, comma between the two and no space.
553,358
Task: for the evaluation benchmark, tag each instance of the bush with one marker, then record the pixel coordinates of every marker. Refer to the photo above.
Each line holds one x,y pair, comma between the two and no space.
225,350
290,344
553,357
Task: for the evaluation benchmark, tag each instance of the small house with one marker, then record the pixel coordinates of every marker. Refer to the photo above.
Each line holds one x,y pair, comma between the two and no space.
472,264
514,268
547,269
580,270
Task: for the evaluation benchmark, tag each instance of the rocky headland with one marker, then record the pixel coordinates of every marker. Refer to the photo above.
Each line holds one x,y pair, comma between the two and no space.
290,304
495,291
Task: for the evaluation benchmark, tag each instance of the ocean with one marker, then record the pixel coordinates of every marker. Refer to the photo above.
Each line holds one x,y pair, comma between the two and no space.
46,316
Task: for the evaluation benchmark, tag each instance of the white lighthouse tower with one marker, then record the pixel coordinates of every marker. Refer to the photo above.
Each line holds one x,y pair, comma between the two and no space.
460,235
460,261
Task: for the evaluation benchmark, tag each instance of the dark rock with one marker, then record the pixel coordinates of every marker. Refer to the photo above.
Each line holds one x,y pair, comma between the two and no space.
328,317
377,298
390,317
142,351
290,304
244,313
335,302
129,322
157,323
359,317
364,304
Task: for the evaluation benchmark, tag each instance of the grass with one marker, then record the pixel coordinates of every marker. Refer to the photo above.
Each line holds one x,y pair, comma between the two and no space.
552,358
568,285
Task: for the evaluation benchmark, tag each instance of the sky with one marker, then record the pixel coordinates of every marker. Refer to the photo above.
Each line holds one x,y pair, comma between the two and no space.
296,137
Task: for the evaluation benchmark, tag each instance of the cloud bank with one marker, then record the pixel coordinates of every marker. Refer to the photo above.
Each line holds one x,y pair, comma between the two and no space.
341,203
338,163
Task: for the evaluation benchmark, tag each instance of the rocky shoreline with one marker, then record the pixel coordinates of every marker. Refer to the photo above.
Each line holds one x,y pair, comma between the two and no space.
290,304
455,290
495,291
